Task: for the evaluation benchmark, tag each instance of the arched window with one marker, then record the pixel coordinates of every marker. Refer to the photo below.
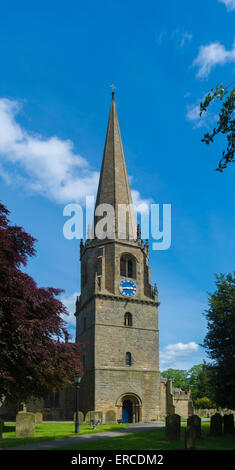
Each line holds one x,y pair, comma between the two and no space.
128,266
128,359
123,266
128,319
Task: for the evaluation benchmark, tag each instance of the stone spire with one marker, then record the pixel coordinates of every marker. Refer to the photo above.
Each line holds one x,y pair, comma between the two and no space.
114,186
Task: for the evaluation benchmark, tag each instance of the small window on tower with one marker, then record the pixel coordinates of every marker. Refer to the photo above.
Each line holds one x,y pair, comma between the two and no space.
128,359
128,319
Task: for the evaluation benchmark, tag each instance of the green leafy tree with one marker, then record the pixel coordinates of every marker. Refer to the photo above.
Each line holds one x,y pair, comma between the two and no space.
225,123
220,340
204,403
194,375
205,385
178,377
198,378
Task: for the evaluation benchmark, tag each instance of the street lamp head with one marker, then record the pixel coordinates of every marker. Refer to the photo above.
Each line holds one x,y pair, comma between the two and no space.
77,378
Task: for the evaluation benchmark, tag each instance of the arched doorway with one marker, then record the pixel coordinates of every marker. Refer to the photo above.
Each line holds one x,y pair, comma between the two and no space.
129,408
127,411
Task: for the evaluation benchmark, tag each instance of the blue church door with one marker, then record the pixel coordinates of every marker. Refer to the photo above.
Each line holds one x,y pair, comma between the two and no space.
127,411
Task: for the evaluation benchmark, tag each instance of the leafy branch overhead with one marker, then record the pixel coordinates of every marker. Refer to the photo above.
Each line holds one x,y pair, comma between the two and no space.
225,123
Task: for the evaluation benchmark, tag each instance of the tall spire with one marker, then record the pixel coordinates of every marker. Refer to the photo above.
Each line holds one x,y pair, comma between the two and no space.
114,188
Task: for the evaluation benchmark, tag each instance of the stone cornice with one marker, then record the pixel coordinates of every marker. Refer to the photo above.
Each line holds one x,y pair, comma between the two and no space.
126,369
138,243
119,298
94,324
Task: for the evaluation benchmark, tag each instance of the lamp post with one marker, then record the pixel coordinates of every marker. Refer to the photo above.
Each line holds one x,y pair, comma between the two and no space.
77,379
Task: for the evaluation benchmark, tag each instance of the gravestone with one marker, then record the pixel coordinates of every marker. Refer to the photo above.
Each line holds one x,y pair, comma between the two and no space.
229,424
110,417
80,417
93,415
173,427
190,437
25,424
196,422
1,428
216,425
38,417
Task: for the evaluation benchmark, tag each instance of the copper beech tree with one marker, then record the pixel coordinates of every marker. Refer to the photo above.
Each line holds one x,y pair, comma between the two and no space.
34,358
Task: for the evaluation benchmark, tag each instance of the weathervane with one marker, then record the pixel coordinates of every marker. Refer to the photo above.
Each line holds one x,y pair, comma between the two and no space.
113,88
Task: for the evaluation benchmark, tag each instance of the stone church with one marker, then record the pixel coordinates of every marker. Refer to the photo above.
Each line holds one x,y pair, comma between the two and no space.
117,311
117,315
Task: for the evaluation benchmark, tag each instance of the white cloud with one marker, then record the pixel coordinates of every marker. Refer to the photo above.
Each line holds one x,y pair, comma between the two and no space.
70,302
48,166
180,38
193,115
142,205
211,55
230,4
173,355
186,39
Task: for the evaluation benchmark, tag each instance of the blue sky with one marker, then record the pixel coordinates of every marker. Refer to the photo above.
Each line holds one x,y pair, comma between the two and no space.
57,62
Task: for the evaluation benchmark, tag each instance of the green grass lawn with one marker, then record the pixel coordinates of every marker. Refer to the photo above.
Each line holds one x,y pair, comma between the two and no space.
155,440
147,440
50,431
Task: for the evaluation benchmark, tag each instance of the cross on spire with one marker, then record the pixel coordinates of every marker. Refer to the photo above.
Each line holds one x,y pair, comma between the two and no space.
113,88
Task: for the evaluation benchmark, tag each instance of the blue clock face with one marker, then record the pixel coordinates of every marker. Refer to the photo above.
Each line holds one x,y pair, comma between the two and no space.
127,288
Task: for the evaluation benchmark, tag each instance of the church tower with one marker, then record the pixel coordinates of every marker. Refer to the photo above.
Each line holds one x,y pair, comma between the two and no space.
117,311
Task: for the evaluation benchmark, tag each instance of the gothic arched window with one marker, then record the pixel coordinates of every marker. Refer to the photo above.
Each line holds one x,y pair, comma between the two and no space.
128,359
128,319
128,266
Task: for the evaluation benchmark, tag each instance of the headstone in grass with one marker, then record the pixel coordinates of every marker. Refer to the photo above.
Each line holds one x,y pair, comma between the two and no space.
93,415
216,426
196,422
110,417
229,424
38,418
80,417
173,427
25,424
1,428
190,436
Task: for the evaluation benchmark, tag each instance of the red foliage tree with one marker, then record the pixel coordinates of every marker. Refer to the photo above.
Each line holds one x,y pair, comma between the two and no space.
34,359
